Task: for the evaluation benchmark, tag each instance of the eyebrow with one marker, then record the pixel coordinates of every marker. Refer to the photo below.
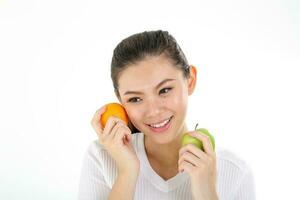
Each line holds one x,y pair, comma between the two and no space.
158,85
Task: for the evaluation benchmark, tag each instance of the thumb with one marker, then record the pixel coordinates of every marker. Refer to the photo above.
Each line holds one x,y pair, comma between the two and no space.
128,137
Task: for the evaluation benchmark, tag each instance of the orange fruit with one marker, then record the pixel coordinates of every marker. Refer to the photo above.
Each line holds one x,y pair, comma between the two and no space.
116,110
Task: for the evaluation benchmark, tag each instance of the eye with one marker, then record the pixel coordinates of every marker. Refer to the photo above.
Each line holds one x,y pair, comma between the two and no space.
165,90
134,100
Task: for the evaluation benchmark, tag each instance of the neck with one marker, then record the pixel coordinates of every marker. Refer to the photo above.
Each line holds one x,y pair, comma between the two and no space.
166,155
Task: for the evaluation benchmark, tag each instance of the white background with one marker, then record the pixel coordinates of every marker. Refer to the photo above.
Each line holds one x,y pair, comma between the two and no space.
55,72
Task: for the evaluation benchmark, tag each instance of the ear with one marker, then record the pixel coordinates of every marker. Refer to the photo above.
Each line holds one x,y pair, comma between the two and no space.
192,80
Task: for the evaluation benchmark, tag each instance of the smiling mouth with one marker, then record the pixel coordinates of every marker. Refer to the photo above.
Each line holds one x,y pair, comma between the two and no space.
161,124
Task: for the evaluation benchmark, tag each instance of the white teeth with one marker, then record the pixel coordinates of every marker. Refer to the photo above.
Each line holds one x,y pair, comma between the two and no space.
160,124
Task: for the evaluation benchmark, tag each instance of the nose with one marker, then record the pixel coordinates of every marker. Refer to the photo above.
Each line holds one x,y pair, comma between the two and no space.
154,107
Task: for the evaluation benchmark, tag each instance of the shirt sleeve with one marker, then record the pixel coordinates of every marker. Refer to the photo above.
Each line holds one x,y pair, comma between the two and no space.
246,188
92,185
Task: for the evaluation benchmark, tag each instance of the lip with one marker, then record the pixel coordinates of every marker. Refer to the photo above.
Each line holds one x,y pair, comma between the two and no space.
161,129
160,121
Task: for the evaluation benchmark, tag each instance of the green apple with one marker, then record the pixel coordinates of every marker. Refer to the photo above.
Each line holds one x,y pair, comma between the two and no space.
187,139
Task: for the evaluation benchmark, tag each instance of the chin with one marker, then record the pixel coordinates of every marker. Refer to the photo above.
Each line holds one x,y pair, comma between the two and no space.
166,138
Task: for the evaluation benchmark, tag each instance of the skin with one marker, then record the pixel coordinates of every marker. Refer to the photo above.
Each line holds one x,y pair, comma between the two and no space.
154,104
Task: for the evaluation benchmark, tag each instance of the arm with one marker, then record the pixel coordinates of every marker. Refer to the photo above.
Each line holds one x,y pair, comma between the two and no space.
92,184
124,187
116,139
201,167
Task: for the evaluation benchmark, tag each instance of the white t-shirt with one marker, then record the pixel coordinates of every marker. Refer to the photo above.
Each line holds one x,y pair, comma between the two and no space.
99,171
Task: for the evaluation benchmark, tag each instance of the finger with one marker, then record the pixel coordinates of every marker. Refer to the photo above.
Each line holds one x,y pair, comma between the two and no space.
97,116
207,145
110,128
186,166
111,122
121,134
119,126
194,150
97,127
129,137
191,158
106,133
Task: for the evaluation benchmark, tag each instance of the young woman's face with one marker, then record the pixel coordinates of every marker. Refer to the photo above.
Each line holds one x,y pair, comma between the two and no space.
154,94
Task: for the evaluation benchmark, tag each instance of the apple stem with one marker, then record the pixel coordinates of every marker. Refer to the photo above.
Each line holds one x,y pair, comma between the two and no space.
196,126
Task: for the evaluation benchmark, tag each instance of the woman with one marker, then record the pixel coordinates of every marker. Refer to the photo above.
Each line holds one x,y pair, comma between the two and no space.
152,80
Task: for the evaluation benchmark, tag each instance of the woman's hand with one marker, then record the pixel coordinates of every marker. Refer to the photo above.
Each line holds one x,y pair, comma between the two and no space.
201,167
116,138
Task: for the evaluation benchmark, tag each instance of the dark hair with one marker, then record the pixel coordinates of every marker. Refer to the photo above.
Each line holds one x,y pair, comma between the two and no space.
137,47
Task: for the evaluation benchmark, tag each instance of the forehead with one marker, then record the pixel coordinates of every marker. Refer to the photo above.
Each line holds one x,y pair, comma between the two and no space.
147,74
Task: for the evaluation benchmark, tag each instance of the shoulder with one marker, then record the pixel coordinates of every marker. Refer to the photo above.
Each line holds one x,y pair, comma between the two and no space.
229,159
232,171
235,175
96,153
95,148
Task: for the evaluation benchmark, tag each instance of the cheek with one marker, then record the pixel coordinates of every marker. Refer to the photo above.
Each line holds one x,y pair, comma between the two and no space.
134,115
178,100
